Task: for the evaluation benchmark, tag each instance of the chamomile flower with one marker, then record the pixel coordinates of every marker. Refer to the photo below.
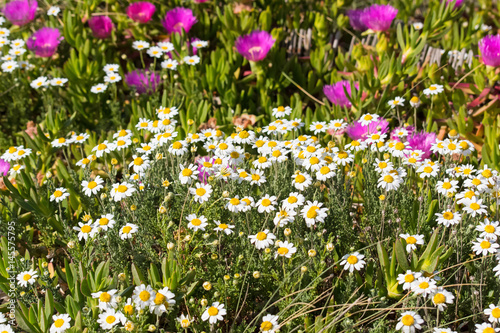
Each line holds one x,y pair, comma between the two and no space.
39,82
79,138
224,227
191,60
9,66
293,201
412,241
196,223
301,181
409,322
400,149
58,81
104,147
266,204
170,64
318,127
111,68
162,301
234,204
199,44
448,218
443,330
447,186
139,163
178,148
269,324
326,172
493,312
121,191
424,286
16,169
484,246
201,192
262,239
185,321
85,230
140,45
112,77
128,231
353,262
214,313
284,249
434,89
281,111
59,194
166,46
155,52
368,118
53,11
390,182
98,88
441,297
107,299
27,277
110,319
188,174
398,101
474,207
61,323
105,222
343,158
486,328
356,146
92,187
428,170
489,230
284,216
312,212
408,278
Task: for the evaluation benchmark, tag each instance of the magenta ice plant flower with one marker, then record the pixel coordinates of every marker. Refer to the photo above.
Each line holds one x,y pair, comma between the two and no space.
142,81
489,47
255,46
336,94
44,42
378,17
141,11
101,26
355,19
20,12
356,131
178,19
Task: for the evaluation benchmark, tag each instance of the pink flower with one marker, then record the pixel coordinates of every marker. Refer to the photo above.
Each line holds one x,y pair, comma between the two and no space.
20,12
178,19
141,11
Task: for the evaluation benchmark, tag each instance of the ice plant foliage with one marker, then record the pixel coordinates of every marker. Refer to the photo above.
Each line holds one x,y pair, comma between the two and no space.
255,46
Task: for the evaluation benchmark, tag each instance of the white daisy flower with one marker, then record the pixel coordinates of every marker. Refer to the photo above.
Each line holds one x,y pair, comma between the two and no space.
162,302
185,321
434,89
353,262
398,101
105,222
199,44
27,277
121,191
60,142
494,313
474,207
448,218
282,111
201,192
9,66
214,313
111,318
80,138
170,64
424,286
61,323
441,297
197,223
486,328
313,213
107,299
301,180
484,246
269,324
191,60
98,88
412,241
39,82
140,45
112,77
285,249
266,204
226,228
111,68
104,147
139,163
59,194
262,239
489,230
92,187
155,52
53,11
85,230
166,46
58,81
409,322
128,231
408,278
188,174
294,200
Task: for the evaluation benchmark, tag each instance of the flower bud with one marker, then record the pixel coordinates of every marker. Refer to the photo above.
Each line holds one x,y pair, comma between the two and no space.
204,302
226,277
287,232
162,210
122,277
330,247
214,256
311,253
225,194
256,274
303,269
170,246
207,285
151,328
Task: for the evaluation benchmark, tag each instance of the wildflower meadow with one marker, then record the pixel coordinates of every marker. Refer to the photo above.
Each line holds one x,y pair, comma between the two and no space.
250,166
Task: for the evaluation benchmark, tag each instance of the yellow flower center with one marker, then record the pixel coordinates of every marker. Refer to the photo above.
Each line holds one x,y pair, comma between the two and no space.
110,319
266,326
292,200
261,236
411,240
283,251
407,320
196,222
474,206
57,193
368,117
423,285
427,169
105,297
144,295
126,229
300,179
255,177
61,140
489,229
495,313
26,277
128,309
213,311
324,170
312,212
276,153
439,298
343,155
399,146
58,322
266,202
314,160
243,134
177,145
409,278
234,201
448,215
223,226
159,299
92,185
485,244
388,179
486,173
103,221
352,260
122,188
262,159
187,172
86,229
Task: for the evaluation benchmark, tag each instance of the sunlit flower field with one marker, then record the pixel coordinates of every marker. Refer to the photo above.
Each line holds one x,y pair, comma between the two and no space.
254,166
